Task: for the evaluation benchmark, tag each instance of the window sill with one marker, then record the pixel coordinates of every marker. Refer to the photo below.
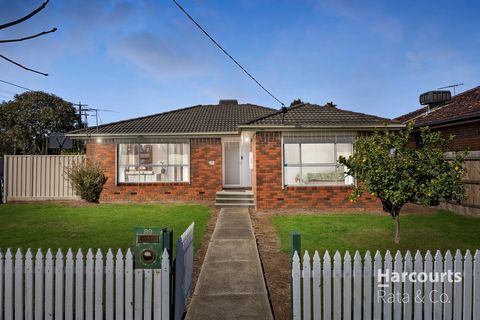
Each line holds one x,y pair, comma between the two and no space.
152,183
319,185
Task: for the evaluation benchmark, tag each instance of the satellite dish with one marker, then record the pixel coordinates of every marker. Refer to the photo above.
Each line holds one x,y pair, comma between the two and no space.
59,141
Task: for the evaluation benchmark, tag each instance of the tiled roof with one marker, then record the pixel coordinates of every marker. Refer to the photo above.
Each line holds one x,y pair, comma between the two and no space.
196,119
462,106
312,115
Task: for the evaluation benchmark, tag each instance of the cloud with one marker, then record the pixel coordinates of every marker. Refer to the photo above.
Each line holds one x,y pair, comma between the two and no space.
158,56
369,13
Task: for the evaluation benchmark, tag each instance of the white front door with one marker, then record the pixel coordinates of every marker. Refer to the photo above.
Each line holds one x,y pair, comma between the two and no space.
231,163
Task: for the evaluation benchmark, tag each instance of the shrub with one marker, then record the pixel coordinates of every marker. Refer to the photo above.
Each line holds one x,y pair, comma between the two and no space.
87,179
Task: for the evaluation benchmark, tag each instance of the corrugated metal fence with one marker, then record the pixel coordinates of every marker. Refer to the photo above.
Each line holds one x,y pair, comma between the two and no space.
38,177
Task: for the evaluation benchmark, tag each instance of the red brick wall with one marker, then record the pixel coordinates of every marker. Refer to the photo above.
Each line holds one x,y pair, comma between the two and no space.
270,195
467,136
205,180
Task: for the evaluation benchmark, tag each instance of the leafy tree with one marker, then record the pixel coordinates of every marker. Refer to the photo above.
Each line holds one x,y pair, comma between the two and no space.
296,101
330,104
27,121
388,168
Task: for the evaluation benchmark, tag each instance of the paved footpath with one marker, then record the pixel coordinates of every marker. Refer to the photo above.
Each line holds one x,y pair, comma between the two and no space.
231,284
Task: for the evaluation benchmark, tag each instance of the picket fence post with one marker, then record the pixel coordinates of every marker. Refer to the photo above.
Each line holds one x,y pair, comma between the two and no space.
296,310
306,275
357,286
317,295
367,286
407,287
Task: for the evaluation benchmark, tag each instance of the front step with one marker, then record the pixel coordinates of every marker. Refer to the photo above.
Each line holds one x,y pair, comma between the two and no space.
234,199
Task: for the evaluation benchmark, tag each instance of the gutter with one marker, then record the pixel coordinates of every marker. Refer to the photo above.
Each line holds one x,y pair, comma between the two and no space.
149,135
444,123
226,133
336,127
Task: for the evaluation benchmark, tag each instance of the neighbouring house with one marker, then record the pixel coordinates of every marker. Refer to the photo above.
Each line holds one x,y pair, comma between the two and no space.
458,116
229,152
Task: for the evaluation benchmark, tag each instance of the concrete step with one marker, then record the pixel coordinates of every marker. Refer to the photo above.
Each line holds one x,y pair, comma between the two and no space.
234,199
241,204
226,192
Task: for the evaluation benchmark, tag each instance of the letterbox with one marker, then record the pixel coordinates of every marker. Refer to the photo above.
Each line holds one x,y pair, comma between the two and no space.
149,246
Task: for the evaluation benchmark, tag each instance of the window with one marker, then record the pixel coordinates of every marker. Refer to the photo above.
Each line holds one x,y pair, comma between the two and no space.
312,163
161,162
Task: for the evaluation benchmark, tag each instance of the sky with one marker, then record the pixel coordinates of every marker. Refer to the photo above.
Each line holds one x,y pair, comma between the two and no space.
142,57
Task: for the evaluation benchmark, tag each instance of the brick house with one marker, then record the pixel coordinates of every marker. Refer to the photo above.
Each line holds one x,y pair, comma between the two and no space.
234,154
458,116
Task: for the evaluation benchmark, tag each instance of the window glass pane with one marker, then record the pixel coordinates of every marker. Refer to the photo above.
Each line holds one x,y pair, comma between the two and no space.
313,175
314,153
159,154
128,154
292,176
177,153
145,156
292,153
160,162
344,149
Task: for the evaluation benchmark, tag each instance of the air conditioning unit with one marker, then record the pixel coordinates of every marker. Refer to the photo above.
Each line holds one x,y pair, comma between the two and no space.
435,97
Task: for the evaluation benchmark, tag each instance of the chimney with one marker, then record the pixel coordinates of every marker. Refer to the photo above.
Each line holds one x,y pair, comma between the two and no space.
228,101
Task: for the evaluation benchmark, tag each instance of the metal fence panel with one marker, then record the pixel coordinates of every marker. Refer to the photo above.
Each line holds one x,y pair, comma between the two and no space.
38,177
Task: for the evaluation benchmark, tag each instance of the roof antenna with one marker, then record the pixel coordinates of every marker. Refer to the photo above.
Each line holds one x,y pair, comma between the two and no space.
454,86
284,110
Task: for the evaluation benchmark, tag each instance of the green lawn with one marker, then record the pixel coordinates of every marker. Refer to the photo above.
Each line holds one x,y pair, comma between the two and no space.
92,226
363,231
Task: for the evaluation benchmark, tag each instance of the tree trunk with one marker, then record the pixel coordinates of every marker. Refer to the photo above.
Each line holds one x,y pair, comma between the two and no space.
397,228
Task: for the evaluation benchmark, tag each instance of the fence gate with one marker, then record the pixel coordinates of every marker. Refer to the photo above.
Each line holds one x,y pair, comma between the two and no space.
38,177
183,270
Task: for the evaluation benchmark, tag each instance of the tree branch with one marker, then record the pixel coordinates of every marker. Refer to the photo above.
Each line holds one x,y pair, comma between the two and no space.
29,37
21,66
28,16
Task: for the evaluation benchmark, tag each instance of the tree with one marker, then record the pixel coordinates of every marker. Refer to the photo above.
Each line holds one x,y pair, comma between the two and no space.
389,169
27,122
330,104
296,102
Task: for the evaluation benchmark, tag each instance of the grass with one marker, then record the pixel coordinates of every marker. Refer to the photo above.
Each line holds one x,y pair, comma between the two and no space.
365,231
92,226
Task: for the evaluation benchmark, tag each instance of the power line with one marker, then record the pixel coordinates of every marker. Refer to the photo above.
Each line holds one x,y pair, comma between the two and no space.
16,85
228,55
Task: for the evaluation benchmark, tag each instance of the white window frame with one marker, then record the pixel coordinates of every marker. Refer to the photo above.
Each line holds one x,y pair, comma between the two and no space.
337,182
117,163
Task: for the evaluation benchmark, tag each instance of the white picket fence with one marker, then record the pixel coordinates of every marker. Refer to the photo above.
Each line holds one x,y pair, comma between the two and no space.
335,290
82,287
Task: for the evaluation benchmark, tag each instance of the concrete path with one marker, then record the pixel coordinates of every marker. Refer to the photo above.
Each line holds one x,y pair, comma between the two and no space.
231,284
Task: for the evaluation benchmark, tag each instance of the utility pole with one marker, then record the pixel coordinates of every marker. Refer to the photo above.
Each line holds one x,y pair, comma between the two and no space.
81,111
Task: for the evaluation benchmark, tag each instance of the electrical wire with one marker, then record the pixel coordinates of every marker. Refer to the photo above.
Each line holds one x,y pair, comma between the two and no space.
15,85
228,55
